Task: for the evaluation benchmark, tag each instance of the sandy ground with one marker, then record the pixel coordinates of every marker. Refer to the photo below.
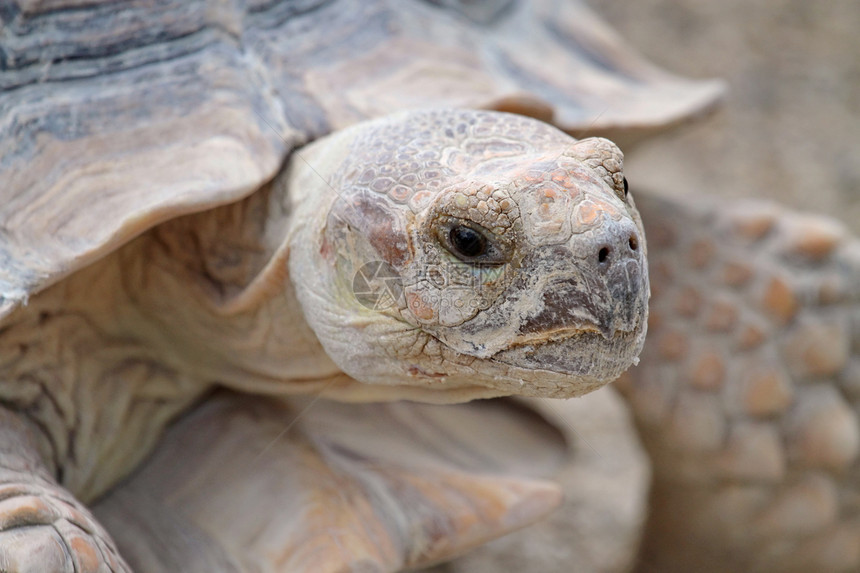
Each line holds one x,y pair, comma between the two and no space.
790,126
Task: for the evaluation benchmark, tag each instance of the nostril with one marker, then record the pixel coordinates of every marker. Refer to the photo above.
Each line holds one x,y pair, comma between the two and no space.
603,254
633,242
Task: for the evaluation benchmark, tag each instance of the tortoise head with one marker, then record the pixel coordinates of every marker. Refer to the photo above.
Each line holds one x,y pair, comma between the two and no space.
470,250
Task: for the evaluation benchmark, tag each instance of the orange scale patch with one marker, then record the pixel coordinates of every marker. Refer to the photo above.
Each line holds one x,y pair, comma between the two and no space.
534,176
545,211
580,175
559,175
589,212
585,177
549,194
420,199
571,190
419,308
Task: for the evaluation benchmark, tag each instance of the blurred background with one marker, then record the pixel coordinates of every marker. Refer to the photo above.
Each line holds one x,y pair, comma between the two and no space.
790,126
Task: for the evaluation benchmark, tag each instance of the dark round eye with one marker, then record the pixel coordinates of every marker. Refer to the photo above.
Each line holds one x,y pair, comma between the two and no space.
626,187
467,242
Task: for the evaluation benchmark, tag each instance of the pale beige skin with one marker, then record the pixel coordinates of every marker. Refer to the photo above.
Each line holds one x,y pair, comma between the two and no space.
748,394
100,362
146,114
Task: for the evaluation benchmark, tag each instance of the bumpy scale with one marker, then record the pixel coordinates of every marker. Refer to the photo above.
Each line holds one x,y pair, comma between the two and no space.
746,397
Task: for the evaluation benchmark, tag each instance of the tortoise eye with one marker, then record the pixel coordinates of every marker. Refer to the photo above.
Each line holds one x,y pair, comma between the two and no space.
472,244
626,187
467,243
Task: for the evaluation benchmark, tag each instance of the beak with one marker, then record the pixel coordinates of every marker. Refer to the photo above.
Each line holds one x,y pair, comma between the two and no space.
588,356
573,306
589,326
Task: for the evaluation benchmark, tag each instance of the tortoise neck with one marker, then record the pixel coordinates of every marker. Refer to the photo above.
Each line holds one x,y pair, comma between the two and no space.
217,286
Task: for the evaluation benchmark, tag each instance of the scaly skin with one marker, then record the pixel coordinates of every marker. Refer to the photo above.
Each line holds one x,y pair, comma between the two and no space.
747,394
562,227
42,526
98,364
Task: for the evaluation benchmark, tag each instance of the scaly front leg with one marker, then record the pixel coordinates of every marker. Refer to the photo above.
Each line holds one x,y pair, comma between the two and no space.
42,526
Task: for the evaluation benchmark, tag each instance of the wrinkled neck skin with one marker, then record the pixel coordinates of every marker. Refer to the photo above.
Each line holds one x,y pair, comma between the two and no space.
101,362
226,309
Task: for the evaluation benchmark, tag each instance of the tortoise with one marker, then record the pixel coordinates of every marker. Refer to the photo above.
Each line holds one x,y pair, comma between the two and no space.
165,253
146,202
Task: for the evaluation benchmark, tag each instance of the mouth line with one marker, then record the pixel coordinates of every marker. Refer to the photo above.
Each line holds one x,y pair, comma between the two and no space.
564,333
554,335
